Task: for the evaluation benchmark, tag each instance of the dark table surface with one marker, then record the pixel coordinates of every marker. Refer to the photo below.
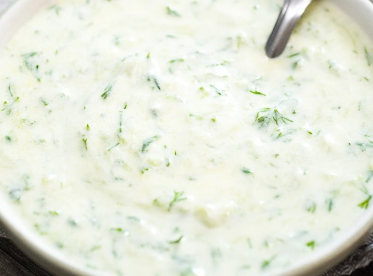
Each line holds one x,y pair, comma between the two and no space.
14,263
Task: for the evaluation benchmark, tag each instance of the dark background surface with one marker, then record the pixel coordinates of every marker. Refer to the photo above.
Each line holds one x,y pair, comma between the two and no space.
14,263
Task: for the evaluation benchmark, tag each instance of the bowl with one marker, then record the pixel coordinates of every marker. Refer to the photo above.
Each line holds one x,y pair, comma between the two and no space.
16,16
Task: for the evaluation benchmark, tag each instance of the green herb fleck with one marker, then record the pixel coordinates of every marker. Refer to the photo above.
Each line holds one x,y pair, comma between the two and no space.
8,107
16,195
295,64
10,90
147,143
56,9
119,230
266,115
155,80
216,254
197,117
177,240
369,176
278,117
368,56
31,65
365,203
44,102
107,91
8,139
257,92
132,218
178,196
143,170
95,248
249,243
54,213
218,91
246,170
330,204
294,55
311,207
111,148
120,121
311,245
85,143
72,222
177,60
172,12
266,264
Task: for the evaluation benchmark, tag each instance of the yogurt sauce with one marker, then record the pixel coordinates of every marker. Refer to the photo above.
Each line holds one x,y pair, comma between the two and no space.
158,133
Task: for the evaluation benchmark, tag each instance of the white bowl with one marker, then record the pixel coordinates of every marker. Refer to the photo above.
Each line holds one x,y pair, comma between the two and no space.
44,255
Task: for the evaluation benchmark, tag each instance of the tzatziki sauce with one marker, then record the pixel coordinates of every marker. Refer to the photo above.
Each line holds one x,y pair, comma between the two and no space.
155,138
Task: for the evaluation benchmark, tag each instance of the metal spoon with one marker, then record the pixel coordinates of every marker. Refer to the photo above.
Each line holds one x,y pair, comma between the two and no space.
288,18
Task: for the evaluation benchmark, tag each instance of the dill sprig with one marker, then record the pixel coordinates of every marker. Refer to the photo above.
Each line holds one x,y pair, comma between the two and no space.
267,115
178,196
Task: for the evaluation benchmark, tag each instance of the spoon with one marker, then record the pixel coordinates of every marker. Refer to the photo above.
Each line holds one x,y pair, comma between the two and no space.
288,18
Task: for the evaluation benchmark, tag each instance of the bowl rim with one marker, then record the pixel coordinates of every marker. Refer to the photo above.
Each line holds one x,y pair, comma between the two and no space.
16,15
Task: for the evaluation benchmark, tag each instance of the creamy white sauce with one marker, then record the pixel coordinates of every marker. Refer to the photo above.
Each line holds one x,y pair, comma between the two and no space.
158,133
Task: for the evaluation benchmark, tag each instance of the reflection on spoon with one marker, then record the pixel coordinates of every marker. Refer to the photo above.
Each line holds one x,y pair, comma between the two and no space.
288,18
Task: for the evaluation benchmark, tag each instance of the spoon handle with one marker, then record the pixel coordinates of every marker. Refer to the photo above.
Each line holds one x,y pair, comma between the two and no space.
290,13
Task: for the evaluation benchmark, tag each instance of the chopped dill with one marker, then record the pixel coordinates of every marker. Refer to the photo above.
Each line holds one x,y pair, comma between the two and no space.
31,65
10,90
85,143
143,170
311,207
218,91
172,12
177,240
311,245
266,115
54,213
257,93
368,56
107,91
330,204
365,203
156,82
178,196
110,149
44,102
56,9
246,170
294,55
177,60
266,264
369,176
147,143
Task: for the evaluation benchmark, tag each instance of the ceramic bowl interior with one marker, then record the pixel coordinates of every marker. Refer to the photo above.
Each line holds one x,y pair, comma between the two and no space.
17,15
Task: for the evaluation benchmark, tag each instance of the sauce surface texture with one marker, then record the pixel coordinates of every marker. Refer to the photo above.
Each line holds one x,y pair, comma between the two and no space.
154,138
